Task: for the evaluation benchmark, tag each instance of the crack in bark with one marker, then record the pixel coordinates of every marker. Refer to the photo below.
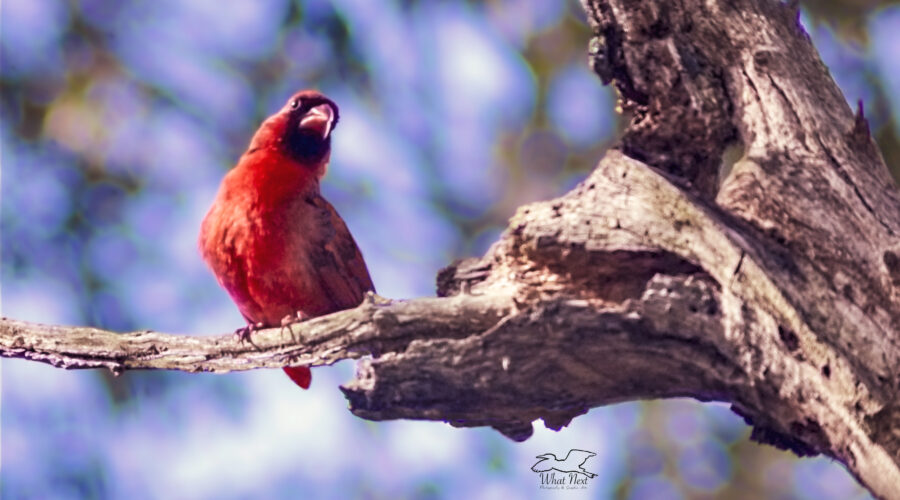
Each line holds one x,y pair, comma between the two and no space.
763,117
849,181
737,269
637,284
789,105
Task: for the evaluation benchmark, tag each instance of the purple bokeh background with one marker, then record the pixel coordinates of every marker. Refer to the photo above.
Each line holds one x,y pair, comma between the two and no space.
120,118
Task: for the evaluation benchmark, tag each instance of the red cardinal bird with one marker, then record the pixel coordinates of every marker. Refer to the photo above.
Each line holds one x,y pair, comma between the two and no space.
278,248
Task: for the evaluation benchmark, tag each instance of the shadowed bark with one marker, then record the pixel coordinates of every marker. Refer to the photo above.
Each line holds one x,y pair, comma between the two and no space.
771,281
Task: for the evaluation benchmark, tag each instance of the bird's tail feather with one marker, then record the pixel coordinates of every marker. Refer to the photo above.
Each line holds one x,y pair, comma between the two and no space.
301,375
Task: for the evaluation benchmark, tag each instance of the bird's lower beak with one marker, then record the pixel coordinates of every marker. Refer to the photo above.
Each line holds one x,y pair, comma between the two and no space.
319,119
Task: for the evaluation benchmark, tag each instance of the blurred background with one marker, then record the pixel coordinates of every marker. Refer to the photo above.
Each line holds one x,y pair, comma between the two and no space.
119,118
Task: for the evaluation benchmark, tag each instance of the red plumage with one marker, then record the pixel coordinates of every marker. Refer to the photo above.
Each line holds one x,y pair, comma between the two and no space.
272,241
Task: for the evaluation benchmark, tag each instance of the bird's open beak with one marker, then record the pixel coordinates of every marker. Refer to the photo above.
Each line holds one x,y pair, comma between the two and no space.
320,118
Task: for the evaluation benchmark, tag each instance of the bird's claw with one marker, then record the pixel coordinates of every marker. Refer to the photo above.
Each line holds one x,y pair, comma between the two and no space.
243,333
289,320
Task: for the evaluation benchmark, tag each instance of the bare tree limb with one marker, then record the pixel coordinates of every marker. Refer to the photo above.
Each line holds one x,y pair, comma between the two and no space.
377,325
772,282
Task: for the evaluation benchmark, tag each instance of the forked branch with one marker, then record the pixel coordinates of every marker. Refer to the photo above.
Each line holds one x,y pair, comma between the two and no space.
771,283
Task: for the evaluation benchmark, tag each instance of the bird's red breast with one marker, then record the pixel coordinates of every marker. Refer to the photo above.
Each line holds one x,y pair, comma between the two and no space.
272,241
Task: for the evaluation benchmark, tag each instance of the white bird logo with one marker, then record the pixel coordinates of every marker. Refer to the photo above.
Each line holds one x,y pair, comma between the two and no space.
574,462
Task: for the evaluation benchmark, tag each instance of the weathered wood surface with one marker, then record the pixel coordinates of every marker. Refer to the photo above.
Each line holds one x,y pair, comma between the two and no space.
771,282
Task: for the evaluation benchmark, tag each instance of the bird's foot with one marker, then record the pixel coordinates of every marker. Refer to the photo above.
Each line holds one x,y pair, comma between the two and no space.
243,334
289,320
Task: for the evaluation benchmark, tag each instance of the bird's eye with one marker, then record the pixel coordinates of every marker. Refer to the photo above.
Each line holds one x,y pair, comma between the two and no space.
295,104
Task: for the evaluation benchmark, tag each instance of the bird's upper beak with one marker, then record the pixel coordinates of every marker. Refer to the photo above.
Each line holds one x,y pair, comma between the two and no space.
320,119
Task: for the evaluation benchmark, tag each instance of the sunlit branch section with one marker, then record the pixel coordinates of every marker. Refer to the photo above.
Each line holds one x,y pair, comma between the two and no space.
773,288
376,325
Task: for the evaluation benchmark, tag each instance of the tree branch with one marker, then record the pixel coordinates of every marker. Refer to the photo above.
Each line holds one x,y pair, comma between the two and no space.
377,325
772,283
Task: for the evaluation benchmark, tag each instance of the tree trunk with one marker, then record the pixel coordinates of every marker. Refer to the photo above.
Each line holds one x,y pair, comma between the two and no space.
771,282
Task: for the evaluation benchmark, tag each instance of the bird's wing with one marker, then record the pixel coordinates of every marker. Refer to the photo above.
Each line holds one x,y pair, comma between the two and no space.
586,455
579,454
535,466
338,263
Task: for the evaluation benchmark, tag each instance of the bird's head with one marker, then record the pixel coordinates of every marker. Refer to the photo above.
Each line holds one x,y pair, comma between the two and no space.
301,129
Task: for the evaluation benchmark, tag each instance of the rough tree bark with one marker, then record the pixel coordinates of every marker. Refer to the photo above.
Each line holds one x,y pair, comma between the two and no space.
771,282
